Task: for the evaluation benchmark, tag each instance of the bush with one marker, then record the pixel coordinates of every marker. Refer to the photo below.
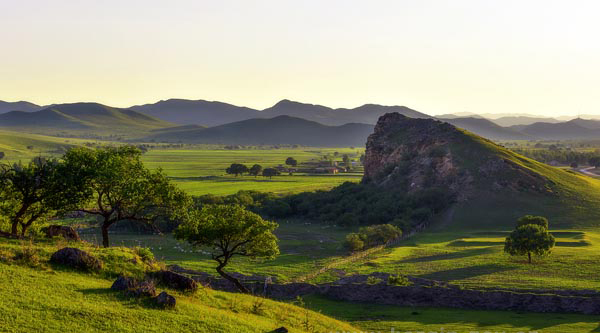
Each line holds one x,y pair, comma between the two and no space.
373,280
354,242
398,280
144,253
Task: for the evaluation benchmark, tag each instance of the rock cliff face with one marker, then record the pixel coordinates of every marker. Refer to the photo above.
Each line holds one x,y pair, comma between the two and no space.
414,154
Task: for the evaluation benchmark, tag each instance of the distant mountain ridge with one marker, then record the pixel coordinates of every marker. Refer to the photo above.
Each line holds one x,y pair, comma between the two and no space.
18,106
209,113
277,130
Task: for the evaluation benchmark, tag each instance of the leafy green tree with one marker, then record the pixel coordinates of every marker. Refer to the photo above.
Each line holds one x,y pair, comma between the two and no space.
531,219
347,162
291,162
255,170
122,188
37,190
236,169
270,172
354,242
379,234
228,231
528,239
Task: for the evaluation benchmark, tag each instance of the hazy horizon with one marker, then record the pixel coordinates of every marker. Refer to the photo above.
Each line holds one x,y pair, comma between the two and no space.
437,57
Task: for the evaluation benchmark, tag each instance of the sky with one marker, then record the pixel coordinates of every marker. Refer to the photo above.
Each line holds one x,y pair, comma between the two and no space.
435,56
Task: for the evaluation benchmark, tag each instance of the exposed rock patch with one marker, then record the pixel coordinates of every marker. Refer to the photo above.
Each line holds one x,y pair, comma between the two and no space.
76,258
64,231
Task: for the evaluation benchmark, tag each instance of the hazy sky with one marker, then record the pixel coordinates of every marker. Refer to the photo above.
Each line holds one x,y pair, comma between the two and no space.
434,56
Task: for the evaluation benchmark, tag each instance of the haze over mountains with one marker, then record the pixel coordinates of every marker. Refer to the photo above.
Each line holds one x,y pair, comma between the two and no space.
209,121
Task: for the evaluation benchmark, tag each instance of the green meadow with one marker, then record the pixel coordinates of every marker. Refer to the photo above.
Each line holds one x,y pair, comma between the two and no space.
202,171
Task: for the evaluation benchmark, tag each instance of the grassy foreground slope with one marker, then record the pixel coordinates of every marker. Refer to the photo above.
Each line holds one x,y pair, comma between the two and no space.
51,299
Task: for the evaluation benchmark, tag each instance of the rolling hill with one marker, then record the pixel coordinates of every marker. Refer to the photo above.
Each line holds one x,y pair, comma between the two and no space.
86,118
18,106
570,130
493,185
277,130
487,128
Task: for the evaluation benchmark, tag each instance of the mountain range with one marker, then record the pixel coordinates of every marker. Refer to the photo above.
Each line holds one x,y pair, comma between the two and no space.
207,120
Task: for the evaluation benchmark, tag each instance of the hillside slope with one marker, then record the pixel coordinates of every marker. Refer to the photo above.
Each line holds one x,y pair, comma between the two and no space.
493,185
278,130
81,117
54,299
18,106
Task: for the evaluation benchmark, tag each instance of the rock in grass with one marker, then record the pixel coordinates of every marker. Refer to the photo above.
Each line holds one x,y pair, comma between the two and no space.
123,283
280,330
165,300
142,289
62,230
176,281
76,258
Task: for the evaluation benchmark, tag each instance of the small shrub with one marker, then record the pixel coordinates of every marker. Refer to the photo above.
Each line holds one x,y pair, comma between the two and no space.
144,253
354,242
258,304
373,280
398,280
27,255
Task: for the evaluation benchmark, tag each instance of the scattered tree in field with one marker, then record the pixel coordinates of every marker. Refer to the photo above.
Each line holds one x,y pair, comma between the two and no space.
2,155
255,170
121,188
236,169
372,236
595,161
347,162
270,172
35,191
228,231
532,238
291,162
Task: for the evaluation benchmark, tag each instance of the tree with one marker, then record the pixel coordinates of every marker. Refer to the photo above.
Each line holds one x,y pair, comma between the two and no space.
121,188
270,172
291,162
354,242
228,231
37,190
595,161
2,155
528,239
347,162
379,234
236,169
530,219
255,170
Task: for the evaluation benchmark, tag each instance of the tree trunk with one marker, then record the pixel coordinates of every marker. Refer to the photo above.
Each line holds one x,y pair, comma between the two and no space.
105,227
15,229
232,279
529,256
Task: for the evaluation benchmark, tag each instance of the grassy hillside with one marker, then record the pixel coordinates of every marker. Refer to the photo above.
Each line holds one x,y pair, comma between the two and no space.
570,199
82,119
22,146
53,299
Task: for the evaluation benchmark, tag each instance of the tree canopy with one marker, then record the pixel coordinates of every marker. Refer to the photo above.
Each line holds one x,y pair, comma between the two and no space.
270,172
291,161
39,189
256,170
528,239
228,231
121,188
236,169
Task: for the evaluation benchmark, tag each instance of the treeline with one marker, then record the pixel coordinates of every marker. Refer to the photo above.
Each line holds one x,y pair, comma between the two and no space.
349,204
561,156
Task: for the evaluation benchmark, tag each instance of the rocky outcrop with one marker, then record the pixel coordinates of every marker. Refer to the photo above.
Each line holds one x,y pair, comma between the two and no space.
76,258
164,300
412,154
62,231
175,280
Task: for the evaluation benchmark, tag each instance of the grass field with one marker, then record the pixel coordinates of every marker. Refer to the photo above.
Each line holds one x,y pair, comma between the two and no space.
52,299
202,171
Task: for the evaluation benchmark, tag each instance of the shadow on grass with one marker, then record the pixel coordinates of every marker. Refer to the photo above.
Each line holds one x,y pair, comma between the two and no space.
377,317
98,291
450,256
466,272
464,243
573,244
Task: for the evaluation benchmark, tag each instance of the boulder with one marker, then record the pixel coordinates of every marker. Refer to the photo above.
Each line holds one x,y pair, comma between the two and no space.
64,231
165,300
123,283
76,258
176,281
142,289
